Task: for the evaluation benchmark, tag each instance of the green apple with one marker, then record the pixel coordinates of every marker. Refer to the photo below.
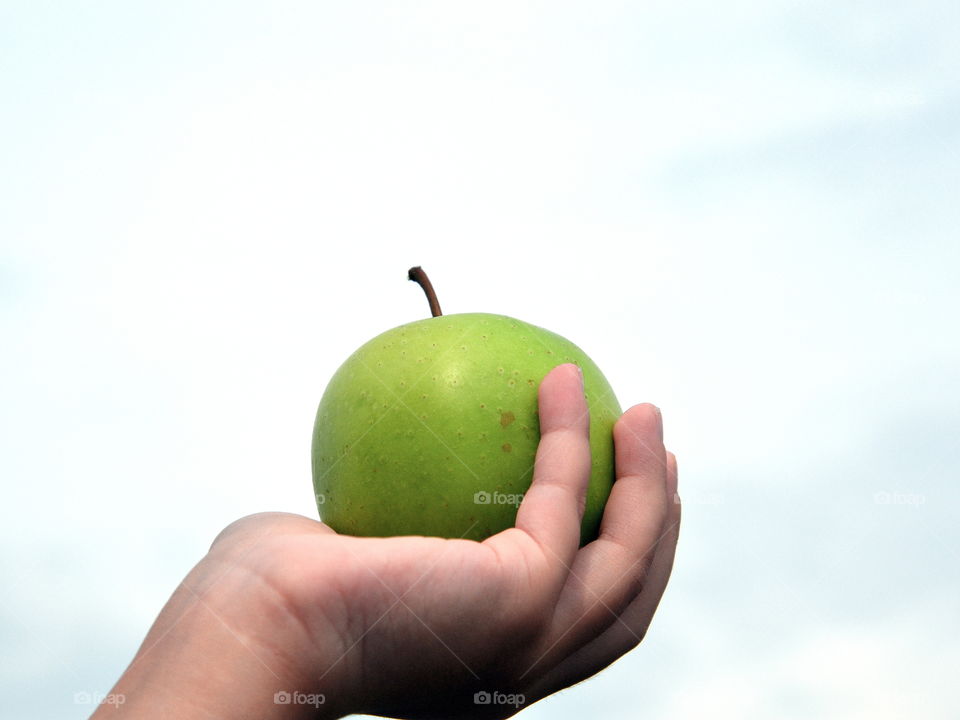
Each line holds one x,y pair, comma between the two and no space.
432,428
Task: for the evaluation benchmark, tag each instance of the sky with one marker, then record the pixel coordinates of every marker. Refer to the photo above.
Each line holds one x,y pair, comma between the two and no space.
745,213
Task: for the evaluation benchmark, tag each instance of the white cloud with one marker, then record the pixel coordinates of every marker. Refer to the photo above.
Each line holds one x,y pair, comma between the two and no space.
901,668
742,212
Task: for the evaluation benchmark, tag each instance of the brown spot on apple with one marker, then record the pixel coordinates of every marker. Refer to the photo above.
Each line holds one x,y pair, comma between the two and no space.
506,447
506,418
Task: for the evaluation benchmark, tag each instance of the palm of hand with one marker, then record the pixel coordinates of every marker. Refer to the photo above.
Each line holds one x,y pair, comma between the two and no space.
421,625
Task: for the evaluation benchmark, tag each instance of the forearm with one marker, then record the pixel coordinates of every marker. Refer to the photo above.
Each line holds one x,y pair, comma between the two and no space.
222,647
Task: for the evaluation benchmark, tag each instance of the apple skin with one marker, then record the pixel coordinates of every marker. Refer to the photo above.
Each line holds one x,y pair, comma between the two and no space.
422,418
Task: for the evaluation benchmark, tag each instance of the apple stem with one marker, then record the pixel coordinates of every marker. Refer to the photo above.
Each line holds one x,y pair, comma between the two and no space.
419,276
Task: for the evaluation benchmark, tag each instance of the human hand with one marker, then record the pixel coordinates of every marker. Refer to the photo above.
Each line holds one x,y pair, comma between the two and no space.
421,627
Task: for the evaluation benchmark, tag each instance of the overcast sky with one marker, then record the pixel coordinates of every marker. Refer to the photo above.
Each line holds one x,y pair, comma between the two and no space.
744,212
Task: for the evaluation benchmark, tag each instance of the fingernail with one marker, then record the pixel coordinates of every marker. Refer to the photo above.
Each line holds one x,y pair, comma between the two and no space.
659,422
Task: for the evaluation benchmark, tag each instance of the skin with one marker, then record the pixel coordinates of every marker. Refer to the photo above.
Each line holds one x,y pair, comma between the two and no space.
415,626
